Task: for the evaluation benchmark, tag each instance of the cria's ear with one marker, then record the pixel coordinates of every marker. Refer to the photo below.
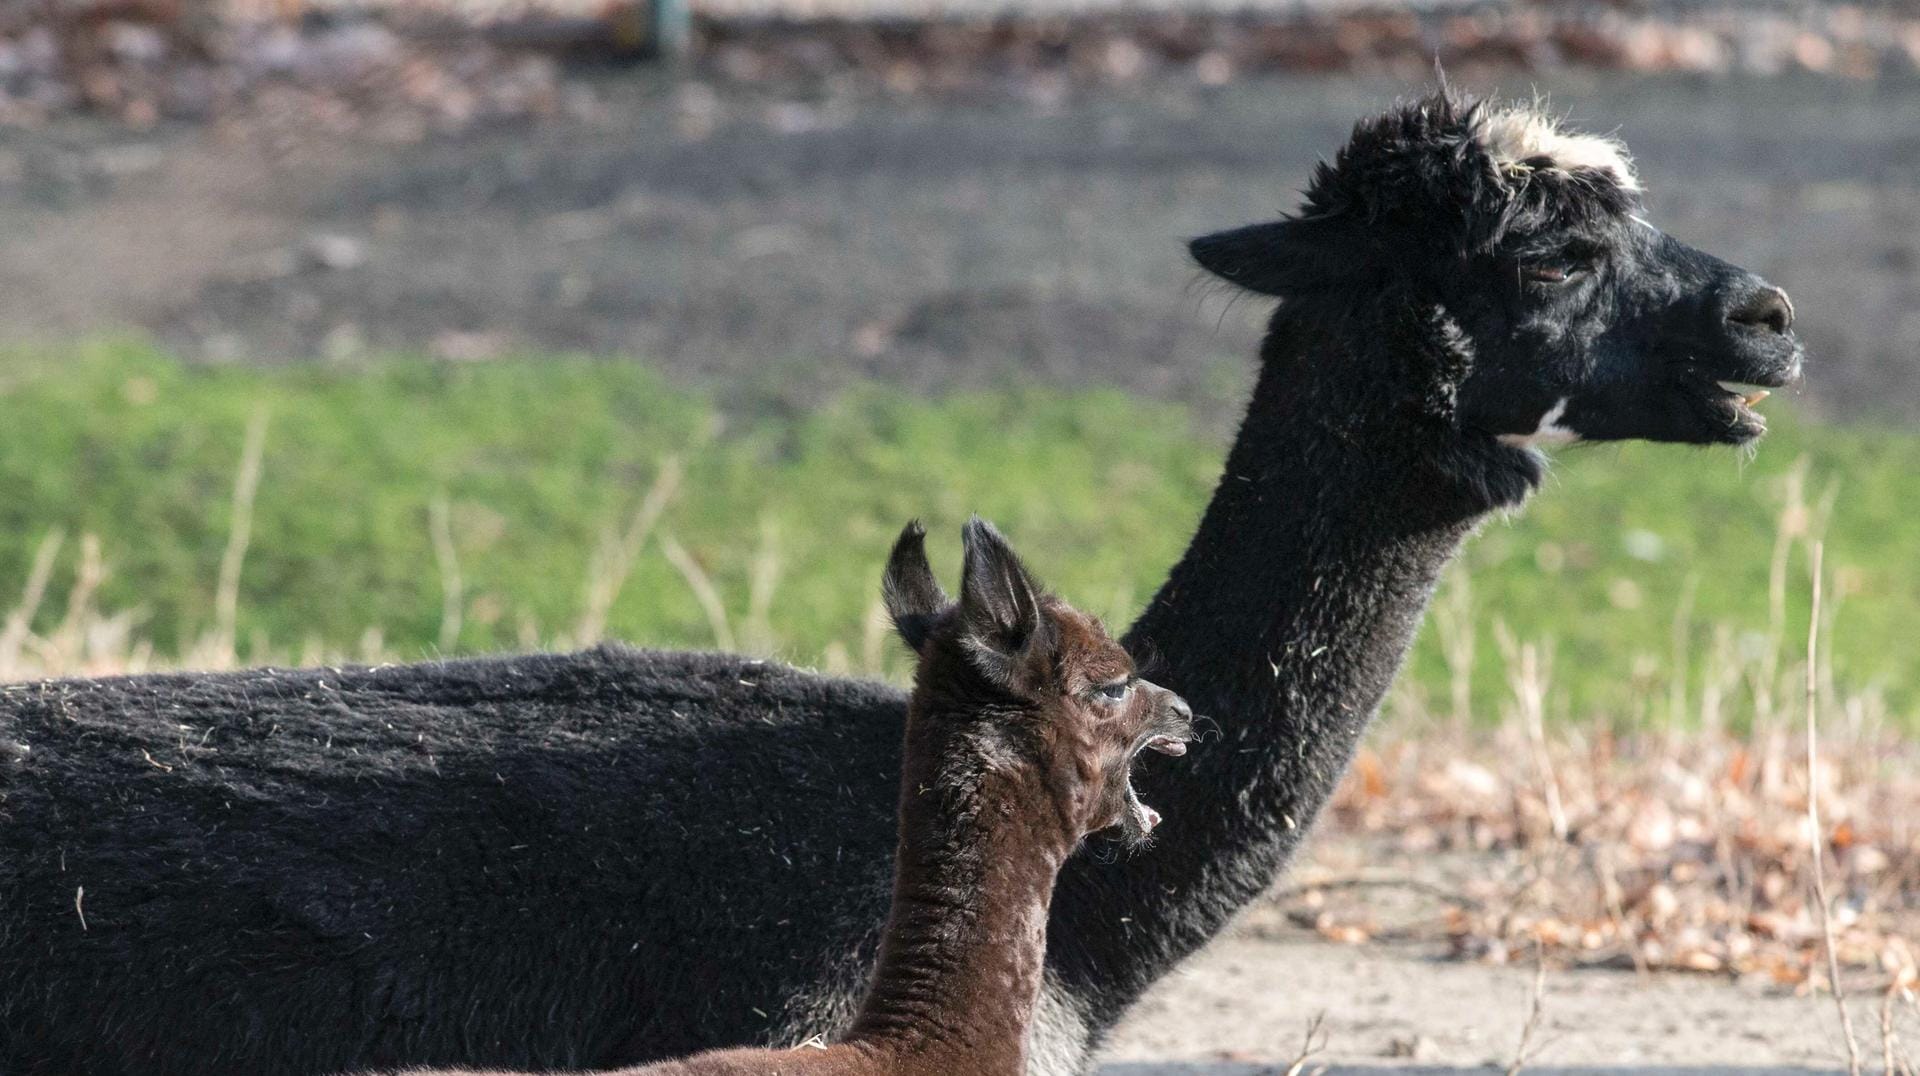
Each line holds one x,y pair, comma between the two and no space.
1285,257
1000,606
913,598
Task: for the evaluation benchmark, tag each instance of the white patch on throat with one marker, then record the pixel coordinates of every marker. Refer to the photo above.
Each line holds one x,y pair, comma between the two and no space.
1549,432
1517,135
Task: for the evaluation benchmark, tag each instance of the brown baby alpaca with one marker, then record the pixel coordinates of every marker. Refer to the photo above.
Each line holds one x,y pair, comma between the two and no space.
1024,722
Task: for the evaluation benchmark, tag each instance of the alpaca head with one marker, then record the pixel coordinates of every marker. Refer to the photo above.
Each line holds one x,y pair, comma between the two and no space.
1571,316
1027,686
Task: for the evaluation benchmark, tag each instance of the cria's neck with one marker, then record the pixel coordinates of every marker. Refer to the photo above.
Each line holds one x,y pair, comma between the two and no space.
961,958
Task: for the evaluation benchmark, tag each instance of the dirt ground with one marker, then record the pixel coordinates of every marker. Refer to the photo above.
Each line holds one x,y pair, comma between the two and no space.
780,247
1242,1007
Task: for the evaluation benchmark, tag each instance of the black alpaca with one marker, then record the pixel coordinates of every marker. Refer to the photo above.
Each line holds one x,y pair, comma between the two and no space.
622,855
1022,728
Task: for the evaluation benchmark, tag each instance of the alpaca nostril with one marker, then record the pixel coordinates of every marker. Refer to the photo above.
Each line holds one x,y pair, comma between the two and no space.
1769,308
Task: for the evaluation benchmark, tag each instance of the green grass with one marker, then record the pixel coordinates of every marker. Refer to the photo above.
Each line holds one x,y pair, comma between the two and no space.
539,460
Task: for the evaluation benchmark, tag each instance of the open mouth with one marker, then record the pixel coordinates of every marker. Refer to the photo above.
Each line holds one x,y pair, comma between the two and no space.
1739,399
1141,820
1169,735
1167,745
1730,405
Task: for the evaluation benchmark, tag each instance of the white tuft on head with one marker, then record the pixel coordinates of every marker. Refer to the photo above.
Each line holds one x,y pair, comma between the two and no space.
1517,134
1549,432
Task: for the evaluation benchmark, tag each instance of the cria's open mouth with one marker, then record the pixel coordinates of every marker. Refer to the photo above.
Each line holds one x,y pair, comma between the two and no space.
1141,820
1167,745
1168,735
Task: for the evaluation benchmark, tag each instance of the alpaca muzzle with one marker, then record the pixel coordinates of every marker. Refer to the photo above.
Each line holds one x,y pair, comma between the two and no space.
1172,726
1167,733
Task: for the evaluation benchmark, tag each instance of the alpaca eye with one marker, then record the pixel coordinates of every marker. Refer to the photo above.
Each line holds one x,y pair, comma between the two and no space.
1116,690
1554,274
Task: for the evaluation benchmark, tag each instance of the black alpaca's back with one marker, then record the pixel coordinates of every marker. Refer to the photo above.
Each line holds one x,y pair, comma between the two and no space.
298,871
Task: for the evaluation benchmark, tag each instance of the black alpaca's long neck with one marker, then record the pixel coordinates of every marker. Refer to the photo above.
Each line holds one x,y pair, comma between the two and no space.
1284,623
961,956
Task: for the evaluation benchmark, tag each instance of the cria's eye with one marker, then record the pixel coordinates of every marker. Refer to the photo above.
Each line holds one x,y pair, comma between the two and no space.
1116,690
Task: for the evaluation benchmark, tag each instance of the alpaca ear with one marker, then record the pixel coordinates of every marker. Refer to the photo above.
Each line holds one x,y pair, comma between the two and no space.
1000,606
912,596
1284,257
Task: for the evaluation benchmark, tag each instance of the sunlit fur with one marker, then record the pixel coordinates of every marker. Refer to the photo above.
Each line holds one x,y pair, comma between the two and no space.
1516,135
1519,242
1012,755
595,859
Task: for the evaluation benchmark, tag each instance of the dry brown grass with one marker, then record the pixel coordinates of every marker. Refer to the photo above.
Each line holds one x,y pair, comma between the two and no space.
1685,852
1701,843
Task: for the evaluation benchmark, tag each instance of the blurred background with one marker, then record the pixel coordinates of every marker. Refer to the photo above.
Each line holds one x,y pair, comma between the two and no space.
379,330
